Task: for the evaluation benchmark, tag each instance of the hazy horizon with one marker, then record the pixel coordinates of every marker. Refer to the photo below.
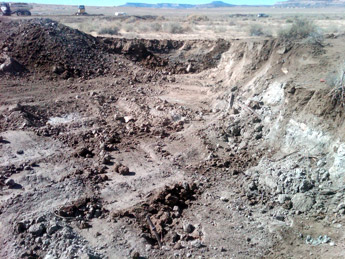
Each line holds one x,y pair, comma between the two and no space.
117,3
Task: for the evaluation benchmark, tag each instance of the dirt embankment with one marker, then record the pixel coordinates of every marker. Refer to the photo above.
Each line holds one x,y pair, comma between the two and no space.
174,56
46,47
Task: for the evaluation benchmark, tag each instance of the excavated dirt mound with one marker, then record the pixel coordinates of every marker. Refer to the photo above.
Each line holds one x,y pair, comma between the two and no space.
43,45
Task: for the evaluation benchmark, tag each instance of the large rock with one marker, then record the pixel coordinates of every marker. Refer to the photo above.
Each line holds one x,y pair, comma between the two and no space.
10,65
302,202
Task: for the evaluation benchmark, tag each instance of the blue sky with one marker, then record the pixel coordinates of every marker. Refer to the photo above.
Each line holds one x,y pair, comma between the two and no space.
117,2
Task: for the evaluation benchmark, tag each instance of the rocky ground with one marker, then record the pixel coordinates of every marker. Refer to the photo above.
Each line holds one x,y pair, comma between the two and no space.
114,148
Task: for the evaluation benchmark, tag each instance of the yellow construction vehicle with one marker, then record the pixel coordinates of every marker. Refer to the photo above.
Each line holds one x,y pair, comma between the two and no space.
81,10
7,9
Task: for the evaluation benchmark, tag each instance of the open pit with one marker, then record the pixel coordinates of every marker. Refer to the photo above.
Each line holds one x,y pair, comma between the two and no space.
118,148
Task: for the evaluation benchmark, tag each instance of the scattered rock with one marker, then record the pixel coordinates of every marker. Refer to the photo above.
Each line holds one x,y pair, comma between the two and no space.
122,169
128,118
136,255
10,182
317,241
302,202
20,227
188,228
37,229
224,199
196,243
10,65
178,246
305,186
53,228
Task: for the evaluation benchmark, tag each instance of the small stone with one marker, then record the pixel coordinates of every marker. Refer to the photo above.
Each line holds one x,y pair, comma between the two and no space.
188,228
10,182
53,228
37,229
305,186
166,248
340,207
224,199
148,248
196,243
87,256
258,136
40,219
302,203
280,217
282,198
106,159
259,128
177,246
135,255
98,213
20,227
176,208
128,119
124,170
38,240
20,152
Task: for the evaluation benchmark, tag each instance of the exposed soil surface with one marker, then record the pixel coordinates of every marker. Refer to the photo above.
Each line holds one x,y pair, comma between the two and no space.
115,148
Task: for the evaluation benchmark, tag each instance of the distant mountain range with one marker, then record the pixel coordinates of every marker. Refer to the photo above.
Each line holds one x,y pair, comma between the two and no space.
310,3
217,4
213,4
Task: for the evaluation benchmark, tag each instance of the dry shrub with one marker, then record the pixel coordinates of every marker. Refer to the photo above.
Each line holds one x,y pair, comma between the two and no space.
337,82
174,28
197,18
256,30
114,30
143,28
128,27
220,29
131,19
156,26
300,29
